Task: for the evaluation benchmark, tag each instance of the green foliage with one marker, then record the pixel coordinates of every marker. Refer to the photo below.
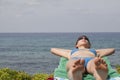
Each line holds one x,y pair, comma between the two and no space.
118,68
9,74
40,77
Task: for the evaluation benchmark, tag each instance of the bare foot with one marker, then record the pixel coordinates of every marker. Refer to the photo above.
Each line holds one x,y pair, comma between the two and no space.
101,69
77,70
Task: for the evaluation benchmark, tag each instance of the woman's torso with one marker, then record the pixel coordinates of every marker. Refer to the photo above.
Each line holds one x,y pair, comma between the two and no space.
83,53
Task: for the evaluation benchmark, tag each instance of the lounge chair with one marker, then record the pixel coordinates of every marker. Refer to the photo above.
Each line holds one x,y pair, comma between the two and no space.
61,74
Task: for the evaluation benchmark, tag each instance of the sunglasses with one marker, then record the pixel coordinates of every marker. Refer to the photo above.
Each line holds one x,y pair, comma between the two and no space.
83,38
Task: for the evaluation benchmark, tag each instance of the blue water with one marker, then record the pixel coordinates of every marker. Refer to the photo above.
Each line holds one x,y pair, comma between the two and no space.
30,52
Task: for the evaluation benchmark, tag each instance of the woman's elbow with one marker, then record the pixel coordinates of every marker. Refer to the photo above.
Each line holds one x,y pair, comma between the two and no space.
113,50
52,50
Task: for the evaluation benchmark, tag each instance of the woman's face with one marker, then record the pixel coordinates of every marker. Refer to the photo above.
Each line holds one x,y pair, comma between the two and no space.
83,41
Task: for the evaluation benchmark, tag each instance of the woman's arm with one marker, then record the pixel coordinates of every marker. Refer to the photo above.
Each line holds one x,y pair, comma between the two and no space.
61,52
105,52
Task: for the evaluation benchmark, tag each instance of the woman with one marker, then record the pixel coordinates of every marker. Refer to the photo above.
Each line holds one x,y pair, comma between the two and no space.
82,60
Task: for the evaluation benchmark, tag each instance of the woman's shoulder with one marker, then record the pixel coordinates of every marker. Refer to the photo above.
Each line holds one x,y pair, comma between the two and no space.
74,50
93,50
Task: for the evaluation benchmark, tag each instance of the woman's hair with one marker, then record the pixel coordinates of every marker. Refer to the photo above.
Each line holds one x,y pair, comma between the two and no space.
80,37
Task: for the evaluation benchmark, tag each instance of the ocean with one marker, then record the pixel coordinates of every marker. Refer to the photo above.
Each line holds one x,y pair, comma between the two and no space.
30,52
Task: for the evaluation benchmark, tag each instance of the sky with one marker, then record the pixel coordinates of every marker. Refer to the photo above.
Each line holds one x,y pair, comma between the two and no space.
59,16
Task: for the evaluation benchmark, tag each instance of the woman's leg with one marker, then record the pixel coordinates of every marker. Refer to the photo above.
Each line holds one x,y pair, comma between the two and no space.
98,68
75,69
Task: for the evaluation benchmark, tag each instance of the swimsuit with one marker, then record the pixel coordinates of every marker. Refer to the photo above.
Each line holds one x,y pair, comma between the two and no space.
87,59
